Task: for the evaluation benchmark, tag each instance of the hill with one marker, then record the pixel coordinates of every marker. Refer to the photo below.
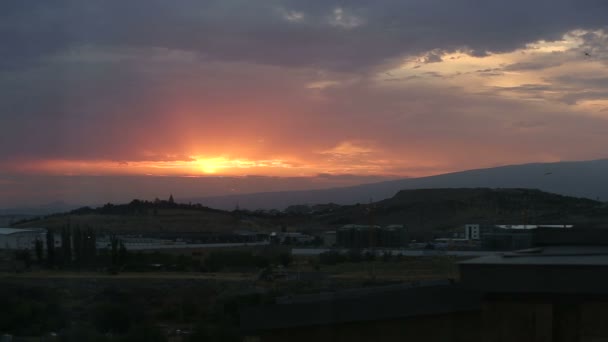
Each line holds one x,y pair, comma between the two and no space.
152,217
421,210
446,209
587,179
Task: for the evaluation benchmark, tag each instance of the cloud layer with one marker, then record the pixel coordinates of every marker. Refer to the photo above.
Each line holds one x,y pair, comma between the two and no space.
293,88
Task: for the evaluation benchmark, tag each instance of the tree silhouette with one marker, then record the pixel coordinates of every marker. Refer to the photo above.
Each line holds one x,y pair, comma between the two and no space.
114,251
50,248
122,253
77,242
66,245
39,251
90,249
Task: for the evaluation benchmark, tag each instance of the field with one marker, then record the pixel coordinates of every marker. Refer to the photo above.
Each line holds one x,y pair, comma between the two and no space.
199,300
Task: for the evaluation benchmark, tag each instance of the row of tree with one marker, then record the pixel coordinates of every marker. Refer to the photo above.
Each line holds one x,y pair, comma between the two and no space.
78,248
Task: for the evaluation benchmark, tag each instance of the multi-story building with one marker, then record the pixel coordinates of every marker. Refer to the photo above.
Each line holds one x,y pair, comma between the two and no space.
367,236
507,236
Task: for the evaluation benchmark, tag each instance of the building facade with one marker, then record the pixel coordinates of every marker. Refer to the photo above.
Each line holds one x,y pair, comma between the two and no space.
366,236
505,237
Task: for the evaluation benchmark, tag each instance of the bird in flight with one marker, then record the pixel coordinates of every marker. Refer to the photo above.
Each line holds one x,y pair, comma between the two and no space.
587,54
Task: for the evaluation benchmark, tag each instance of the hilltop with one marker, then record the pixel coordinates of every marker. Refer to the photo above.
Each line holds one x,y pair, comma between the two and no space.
446,209
152,217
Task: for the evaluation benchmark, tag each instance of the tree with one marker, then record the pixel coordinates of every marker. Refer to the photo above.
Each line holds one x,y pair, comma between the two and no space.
386,256
114,252
26,257
355,255
91,246
122,253
66,245
285,259
50,248
39,251
77,241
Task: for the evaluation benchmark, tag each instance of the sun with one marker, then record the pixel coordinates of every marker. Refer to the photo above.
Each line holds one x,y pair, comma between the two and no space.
210,165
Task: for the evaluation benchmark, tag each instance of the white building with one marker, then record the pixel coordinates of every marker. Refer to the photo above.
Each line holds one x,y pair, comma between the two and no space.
291,237
16,238
476,231
472,231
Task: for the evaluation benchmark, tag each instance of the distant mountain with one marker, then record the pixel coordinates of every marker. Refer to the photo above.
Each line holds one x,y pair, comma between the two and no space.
40,210
587,179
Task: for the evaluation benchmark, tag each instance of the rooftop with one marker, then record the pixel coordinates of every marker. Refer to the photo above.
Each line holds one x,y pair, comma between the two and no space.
575,269
551,255
380,303
533,226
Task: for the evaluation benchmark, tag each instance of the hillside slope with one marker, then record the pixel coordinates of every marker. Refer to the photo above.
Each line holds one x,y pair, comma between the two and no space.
140,216
424,209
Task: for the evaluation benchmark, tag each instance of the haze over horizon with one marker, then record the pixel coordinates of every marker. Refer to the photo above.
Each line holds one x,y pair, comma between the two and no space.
101,100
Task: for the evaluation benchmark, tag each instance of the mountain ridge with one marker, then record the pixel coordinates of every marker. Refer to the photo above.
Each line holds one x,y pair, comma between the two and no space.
574,178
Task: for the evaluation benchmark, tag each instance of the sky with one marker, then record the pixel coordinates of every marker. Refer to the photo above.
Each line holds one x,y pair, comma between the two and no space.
302,94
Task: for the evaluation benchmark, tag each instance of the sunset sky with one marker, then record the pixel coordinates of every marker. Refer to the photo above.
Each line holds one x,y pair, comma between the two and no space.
317,93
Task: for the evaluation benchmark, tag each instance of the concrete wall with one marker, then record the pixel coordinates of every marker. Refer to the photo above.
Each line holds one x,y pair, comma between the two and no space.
545,319
458,327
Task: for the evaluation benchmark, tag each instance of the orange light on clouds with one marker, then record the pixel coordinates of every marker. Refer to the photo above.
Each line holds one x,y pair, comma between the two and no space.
196,166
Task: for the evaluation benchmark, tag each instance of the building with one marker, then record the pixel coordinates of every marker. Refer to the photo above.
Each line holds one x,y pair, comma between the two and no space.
366,236
16,238
431,311
291,238
553,293
472,231
556,291
507,237
478,231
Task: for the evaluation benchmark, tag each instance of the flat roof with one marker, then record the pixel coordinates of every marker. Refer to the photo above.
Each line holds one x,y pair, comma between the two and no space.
8,231
361,305
545,270
533,226
553,255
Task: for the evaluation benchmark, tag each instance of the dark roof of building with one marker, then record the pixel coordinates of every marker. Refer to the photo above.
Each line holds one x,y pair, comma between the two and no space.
550,255
379,304
579,236
551,269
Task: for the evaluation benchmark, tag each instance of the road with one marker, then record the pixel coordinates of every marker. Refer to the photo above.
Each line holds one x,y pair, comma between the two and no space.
139,247
404,252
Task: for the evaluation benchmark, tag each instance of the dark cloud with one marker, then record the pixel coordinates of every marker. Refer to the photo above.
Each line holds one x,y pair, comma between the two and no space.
536,65
334,35
154,80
